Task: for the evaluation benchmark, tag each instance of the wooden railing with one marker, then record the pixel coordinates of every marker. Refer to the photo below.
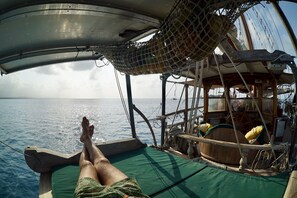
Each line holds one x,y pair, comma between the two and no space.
185,117
243,147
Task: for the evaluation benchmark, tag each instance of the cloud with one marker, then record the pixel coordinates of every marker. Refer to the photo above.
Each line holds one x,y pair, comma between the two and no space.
57,69
16,85
61,81
82,65
146,86
49,70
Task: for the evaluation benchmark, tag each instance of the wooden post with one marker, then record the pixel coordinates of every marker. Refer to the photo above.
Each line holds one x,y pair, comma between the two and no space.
243,160
205,103
190,150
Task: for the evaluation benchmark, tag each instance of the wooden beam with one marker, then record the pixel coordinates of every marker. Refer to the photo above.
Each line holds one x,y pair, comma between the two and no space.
42,160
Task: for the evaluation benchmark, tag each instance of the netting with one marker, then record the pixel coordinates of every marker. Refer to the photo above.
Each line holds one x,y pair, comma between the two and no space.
191,32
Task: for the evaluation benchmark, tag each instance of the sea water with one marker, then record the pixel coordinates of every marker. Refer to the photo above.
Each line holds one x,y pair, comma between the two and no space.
55,124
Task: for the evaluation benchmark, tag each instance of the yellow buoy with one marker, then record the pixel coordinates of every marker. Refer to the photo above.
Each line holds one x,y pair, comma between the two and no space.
204,127
254,132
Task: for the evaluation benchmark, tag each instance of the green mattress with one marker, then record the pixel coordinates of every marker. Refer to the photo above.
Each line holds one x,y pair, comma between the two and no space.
164,175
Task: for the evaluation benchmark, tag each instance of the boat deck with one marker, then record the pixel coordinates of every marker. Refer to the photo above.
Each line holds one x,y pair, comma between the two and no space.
162,174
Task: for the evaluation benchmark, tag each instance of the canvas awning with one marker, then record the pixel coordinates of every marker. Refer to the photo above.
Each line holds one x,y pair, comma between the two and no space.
35,33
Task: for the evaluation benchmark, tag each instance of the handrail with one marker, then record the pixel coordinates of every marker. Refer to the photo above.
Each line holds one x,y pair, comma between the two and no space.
147,122
265,147
180,111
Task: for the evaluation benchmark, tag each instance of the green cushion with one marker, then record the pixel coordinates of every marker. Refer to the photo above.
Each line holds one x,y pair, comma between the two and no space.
164,175
217,183
64,181
154,170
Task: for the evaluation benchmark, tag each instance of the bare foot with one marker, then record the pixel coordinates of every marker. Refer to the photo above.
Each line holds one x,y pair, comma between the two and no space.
85,130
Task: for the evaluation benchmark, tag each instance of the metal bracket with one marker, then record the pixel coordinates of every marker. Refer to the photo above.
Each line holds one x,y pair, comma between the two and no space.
2,71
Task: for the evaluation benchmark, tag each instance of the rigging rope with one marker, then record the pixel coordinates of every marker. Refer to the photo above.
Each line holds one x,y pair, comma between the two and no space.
265,28
179,101
121,96
12,148
18,151
170,89
229,105
171,127
276,28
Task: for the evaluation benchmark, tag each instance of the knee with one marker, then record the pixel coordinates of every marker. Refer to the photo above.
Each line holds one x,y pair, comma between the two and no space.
85,163
101,161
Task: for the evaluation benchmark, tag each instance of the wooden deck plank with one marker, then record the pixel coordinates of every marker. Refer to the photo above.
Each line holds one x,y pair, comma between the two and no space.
45,188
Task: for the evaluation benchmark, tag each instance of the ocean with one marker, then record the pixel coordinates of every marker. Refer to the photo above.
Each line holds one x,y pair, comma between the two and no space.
55,124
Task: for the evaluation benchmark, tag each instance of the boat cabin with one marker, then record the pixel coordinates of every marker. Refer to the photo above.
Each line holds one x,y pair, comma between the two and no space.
261,93
241,105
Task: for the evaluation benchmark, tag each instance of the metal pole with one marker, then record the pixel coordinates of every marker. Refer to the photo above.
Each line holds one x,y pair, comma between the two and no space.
163,123
148,124
130,104
186,106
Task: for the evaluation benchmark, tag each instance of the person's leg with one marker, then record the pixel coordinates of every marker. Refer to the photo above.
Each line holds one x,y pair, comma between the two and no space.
87,169
107,173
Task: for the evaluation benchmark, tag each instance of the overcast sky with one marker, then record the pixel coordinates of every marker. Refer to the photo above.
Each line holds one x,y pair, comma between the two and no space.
85,80
75,80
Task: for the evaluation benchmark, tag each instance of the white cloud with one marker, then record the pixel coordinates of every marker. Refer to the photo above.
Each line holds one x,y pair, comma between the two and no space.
147,86
54,69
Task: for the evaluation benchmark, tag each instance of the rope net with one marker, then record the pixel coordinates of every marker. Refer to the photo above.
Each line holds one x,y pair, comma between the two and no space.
191,32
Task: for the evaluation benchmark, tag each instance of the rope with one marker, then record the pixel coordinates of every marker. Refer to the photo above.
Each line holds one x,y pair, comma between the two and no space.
229,106
278,34
12,148
265,28
17,151
180,98
121,95
253,99
179,101
154,111
170,90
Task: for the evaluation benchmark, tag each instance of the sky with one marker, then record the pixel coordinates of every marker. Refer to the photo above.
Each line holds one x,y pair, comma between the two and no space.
76,80
86,80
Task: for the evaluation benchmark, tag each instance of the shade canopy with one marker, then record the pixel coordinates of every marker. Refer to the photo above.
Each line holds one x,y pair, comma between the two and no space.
35,33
